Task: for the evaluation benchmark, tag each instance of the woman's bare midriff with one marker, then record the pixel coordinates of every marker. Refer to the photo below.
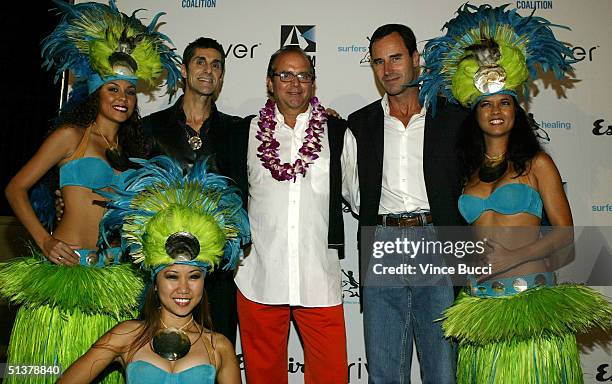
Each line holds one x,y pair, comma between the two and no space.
512,232
79,225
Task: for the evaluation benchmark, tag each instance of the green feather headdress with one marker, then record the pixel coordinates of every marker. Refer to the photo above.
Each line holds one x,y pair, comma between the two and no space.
166,217
490,50
98,43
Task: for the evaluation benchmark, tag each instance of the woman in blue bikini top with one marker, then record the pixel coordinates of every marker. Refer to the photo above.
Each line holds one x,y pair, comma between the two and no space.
509,180
176,302
178,227
104,124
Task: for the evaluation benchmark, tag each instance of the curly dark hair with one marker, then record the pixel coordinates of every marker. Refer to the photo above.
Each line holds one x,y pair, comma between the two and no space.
523,144
131,135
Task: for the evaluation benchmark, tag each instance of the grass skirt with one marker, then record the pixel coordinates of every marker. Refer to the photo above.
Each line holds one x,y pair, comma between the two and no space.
524,338
64,310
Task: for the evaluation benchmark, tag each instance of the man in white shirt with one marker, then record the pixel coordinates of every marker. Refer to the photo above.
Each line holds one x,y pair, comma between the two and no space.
294,175
401,172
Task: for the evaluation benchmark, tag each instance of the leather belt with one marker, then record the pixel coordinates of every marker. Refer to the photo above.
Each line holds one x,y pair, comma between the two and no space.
411,220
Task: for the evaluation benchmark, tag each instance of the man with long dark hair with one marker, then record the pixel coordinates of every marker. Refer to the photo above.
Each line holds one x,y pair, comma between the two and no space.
193,128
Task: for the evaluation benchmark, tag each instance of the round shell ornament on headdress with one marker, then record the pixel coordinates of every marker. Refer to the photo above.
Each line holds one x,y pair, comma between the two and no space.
98,43
489,50
166,217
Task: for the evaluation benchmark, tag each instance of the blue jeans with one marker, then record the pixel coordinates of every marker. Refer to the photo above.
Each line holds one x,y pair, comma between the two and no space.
394,316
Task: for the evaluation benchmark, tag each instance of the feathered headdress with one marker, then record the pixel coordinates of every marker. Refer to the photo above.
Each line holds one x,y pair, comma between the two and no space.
490,50
166,217
97,43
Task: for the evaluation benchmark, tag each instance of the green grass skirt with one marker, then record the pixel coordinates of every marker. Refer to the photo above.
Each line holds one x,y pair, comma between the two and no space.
64,310
525,338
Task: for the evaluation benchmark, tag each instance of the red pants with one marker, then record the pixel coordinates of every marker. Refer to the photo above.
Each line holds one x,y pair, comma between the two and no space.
263,333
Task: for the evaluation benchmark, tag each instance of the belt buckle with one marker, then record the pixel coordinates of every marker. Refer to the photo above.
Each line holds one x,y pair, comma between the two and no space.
411,219
405,221
396,221
420,218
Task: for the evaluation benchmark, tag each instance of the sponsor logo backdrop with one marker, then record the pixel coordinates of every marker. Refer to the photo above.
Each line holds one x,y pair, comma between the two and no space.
575,125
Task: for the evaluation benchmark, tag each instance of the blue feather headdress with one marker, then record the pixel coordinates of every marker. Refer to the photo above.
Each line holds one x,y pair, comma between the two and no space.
98,43
490,50
166,217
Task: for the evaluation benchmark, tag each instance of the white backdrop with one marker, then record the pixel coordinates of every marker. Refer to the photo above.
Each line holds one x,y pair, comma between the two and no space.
251,31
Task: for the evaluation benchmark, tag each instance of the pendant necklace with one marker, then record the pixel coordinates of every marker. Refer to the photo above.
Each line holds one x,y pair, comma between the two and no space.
171,343
493,168
194,140
115,157
110,147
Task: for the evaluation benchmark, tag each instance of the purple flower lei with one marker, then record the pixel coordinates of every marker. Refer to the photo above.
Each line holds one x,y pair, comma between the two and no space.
307,154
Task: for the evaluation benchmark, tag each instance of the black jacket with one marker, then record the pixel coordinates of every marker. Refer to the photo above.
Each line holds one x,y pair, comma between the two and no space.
224,138
440,168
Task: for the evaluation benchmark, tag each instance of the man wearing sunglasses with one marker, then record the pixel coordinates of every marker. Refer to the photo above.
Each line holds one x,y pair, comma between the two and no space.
295,212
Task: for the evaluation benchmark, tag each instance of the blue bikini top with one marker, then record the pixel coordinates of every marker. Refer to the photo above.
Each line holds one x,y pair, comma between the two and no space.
88,172
507,199
143,372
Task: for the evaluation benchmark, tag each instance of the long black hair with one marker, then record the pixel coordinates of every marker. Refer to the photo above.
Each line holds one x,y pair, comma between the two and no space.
523,144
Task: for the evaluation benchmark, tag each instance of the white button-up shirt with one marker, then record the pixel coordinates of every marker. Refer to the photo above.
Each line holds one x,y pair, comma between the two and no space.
403,182
289,261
